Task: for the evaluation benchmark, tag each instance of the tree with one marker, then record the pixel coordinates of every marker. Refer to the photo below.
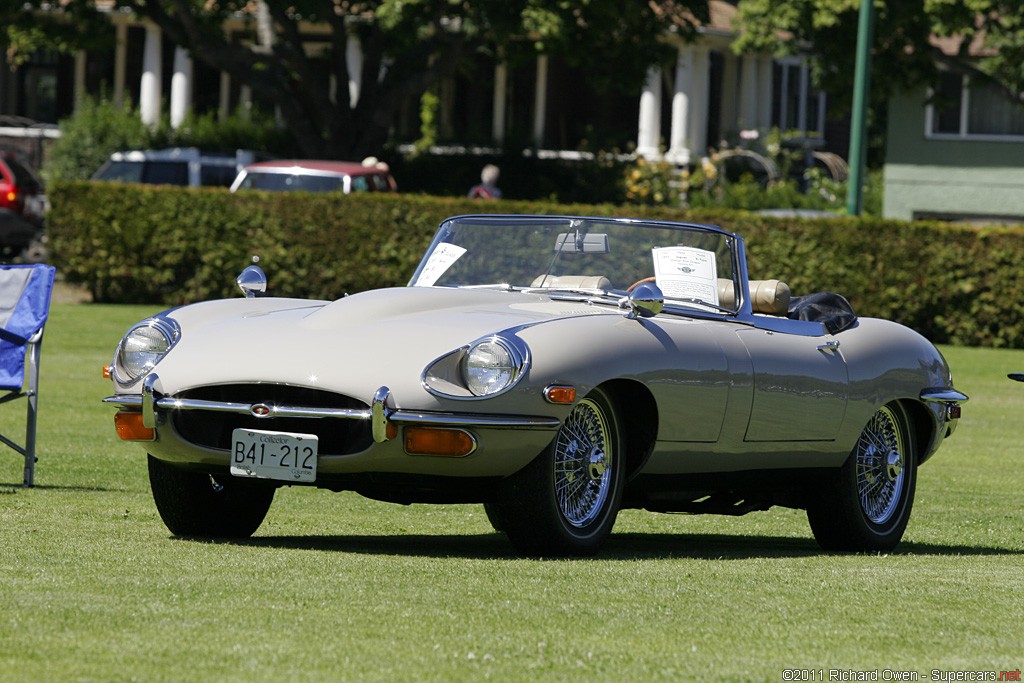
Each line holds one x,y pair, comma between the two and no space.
407,47
989,35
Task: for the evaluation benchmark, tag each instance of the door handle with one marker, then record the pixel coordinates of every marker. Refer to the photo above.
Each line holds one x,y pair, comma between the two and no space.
830,345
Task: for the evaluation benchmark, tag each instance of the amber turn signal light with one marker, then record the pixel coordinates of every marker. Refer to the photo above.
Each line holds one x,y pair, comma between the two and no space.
130,428
560,393
454,443
106,371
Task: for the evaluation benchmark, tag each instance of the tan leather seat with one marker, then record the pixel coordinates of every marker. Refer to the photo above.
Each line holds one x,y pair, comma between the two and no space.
766,296
572,282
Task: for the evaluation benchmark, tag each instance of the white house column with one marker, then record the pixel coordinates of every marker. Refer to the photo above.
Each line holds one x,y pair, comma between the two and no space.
764,91
181,87
149,90
697,126
648,137
224,102
540,101
79,89
120,62
354,64
499,104
748,93
245,101
728,113
678,149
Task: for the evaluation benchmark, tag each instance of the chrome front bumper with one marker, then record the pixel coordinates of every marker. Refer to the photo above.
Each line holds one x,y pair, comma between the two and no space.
949,401
155,406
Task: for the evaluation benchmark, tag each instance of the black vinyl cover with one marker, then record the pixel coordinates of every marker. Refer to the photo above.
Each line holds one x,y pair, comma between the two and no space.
828,308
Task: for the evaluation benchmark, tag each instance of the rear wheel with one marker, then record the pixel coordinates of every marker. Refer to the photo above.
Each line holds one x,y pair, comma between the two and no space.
196,504
866,505
566,500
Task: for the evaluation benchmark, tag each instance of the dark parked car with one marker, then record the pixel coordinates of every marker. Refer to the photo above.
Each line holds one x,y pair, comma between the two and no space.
186,166
23,206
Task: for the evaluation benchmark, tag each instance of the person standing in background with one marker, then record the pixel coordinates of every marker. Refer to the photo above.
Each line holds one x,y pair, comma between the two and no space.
488,187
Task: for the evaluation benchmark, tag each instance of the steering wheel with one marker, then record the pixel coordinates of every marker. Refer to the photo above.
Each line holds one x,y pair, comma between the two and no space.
640,282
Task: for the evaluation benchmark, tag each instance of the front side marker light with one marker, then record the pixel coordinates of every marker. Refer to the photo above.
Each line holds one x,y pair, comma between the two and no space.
454,443
130,428
560,393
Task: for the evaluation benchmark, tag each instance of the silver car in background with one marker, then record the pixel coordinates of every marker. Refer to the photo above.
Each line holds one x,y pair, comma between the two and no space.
556,369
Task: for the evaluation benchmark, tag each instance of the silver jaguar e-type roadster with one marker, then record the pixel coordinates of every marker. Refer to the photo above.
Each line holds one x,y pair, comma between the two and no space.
556,369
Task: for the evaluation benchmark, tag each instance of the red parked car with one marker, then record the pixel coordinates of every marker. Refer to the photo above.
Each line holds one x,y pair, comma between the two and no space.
23,205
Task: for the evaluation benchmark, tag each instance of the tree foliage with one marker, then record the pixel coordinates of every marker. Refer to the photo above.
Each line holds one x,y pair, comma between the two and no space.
407,46
988,34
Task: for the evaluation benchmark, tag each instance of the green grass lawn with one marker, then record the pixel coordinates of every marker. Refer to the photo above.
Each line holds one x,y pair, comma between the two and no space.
336,587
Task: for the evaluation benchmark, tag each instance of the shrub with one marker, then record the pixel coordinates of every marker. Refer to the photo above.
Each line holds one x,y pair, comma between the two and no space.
99,128
955,284
651,183
90,135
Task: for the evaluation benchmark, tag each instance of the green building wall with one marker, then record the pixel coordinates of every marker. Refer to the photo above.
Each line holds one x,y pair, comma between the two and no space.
954,179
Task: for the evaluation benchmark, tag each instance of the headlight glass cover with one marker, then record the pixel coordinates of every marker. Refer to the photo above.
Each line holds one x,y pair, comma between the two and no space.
143,347
490,366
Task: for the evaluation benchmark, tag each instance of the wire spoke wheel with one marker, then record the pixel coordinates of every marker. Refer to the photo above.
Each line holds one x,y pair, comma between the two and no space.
564,503
582,463
880,467
865,505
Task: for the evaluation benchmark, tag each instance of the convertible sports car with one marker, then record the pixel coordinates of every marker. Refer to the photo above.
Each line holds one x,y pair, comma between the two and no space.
556,369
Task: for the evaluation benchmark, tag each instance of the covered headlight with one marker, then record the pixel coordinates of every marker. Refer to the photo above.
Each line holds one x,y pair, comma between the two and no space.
484,368
143,347
490,366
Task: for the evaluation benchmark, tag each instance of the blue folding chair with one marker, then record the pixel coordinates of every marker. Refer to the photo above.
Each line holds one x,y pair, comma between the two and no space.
24,307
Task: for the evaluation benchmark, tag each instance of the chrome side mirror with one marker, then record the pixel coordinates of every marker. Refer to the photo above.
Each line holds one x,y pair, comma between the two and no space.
645,301
252,281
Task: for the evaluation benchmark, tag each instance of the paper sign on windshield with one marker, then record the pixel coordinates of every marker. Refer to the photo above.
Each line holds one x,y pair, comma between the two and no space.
441,259
686,273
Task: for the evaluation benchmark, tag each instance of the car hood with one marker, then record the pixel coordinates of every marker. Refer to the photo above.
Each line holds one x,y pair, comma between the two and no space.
353,345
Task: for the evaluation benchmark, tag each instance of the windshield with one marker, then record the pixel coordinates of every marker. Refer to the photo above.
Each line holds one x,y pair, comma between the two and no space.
692,265
292,182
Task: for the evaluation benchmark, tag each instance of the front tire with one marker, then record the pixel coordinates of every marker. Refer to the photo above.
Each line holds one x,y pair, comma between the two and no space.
564,503
866,505
203,505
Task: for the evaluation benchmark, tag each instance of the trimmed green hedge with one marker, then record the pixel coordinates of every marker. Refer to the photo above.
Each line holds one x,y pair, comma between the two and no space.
140,244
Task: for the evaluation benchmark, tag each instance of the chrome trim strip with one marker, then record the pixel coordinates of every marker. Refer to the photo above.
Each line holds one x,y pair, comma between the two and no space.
379,414
942,395
474,420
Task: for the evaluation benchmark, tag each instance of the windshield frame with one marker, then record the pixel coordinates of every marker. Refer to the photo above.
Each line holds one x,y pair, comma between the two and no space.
733,242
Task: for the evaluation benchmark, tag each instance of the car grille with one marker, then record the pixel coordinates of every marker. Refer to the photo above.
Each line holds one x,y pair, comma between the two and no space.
213,429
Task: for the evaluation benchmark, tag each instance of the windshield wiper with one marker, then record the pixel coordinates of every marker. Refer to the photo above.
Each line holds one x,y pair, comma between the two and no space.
698,302
593,295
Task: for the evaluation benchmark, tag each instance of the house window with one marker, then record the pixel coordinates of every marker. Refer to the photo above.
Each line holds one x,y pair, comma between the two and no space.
801,107
976,109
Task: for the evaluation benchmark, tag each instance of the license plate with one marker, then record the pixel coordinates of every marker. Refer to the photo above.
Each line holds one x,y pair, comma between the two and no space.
274,455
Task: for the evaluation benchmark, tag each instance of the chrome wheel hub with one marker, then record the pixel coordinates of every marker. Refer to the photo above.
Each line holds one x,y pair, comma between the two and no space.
894,466
598,465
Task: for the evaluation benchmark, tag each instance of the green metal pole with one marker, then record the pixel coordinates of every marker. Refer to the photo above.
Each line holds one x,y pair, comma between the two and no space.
859,118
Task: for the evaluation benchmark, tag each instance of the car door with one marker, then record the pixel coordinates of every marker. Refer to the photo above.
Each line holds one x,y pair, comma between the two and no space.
801,386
